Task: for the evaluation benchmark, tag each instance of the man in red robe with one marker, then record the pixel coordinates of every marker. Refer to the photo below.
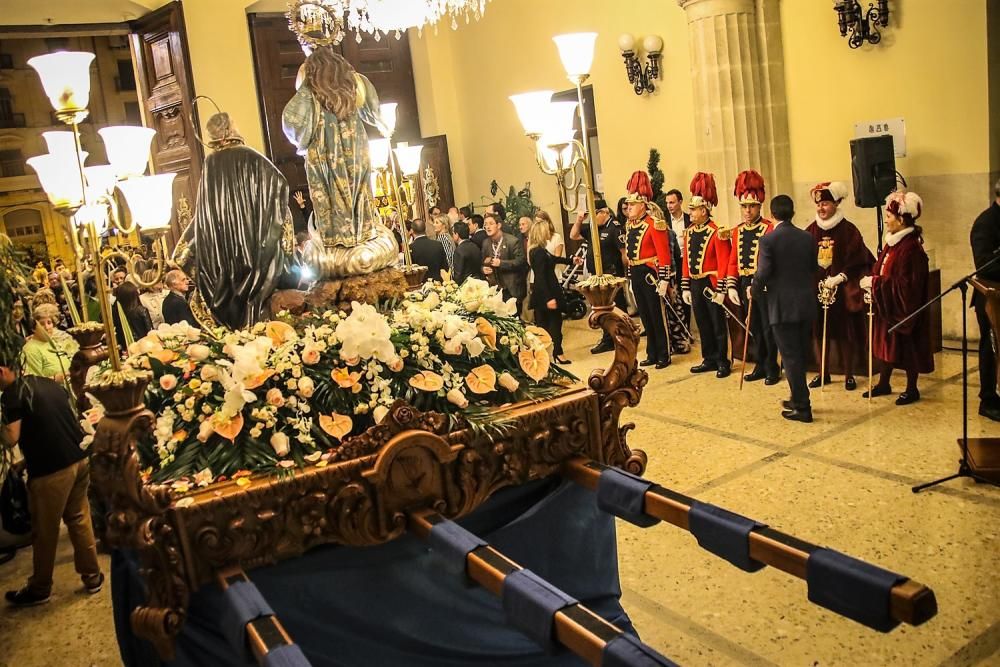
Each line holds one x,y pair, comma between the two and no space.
899,287
843,259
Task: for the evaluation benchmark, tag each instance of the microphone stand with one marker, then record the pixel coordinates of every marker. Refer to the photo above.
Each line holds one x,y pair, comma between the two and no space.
964,469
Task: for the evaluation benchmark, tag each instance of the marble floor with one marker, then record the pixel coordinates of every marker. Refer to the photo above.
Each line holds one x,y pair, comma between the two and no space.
843,481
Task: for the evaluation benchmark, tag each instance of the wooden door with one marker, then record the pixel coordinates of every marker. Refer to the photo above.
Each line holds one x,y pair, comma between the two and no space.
159,50
277,57
386,62
435,156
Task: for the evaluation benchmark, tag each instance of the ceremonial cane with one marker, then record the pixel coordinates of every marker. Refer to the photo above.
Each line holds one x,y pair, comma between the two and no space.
871,338
827,295
708,294
746,339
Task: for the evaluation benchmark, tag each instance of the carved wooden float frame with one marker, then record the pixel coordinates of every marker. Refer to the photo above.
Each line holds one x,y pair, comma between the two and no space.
409,461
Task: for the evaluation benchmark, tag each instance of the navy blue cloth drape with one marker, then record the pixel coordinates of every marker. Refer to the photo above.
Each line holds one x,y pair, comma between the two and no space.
398,604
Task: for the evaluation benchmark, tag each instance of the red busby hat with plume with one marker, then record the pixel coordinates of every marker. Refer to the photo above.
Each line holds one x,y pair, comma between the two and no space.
834,191
639,188
749,188
703,192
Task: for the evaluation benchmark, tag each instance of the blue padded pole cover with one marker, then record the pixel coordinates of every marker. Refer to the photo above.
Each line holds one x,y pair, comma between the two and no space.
454,544
530,603
289,655
626,650
243,603
852,588
724,533
622,494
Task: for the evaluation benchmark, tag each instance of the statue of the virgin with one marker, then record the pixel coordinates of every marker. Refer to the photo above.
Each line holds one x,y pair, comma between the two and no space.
326,122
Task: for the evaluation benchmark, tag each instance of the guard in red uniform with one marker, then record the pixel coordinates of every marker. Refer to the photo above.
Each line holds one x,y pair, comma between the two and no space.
899,287
744,240
647,248
843,260
706,259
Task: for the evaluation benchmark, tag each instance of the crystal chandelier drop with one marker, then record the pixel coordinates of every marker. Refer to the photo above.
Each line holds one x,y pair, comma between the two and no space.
323,22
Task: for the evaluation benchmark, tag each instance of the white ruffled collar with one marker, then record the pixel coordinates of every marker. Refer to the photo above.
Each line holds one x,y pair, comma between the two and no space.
893,239
827,225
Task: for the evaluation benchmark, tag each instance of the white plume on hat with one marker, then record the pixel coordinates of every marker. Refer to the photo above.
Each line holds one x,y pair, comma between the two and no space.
908,203
839,190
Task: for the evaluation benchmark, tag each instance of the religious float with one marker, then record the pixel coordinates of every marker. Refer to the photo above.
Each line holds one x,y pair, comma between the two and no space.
371,405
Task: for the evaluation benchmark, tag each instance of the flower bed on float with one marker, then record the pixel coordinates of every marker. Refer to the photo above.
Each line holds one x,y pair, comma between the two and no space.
292,392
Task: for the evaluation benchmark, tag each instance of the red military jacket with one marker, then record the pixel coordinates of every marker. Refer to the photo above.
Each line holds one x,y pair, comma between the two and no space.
648,243
705,255
745,240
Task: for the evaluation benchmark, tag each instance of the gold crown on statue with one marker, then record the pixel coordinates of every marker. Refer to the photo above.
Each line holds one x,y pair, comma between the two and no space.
316,23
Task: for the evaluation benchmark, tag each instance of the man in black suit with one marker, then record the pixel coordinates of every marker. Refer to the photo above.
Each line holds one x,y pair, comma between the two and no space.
985,239
175,305
785,268
468,257
476,232
504,262
679,221
427,252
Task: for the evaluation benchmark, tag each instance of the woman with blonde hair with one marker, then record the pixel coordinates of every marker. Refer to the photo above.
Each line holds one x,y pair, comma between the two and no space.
555,243
546,297
49,351
442,233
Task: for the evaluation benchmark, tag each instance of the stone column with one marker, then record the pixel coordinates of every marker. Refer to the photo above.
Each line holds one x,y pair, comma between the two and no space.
739,95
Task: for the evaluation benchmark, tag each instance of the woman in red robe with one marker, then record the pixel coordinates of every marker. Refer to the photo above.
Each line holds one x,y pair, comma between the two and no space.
898,285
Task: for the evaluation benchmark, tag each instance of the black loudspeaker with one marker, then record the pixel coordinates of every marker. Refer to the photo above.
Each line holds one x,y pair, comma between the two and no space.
873,165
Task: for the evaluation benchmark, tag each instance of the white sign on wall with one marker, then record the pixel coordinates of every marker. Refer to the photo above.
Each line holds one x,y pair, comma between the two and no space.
894,126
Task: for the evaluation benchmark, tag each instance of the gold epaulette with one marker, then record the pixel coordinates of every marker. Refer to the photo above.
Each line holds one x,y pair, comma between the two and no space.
726,233
659,224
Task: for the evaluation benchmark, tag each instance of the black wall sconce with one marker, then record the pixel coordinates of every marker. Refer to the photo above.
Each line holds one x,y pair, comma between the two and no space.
863,25
641,77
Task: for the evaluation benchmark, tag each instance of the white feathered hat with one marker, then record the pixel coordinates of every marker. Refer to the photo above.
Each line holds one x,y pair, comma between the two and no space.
834,191
905,205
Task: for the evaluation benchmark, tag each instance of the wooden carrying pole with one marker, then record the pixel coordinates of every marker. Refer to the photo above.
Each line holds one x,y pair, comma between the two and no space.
911,602
265,634
576,627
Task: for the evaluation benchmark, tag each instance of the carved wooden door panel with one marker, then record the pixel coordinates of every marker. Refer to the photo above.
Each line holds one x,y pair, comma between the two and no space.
159,49
277,57
387,64
435,156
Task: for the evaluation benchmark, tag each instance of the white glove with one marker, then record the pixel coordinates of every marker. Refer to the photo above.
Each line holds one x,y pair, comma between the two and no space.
686,295
748,291
661,288
718,297
866,283
734,296
833,281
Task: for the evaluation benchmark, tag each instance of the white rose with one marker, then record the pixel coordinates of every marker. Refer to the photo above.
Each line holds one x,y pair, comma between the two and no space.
198,352
306,387
279,441
379,413
509,382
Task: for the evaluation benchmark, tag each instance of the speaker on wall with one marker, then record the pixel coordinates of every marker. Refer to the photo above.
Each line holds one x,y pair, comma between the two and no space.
873,166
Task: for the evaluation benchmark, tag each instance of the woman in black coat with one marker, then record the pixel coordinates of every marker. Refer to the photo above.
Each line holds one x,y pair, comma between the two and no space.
127,302
547,296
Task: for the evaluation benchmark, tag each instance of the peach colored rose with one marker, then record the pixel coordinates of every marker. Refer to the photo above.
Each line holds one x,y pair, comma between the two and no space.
306,387
168,382
275,398
310,356
509,382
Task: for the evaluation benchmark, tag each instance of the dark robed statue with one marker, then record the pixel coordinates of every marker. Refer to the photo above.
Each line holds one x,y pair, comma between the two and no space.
241,237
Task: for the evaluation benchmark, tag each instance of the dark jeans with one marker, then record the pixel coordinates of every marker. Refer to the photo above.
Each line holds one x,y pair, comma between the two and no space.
794,340
711,324
987,358
764,345
551,321
648,302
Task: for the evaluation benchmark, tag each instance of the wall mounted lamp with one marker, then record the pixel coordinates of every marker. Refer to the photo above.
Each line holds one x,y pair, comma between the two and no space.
641,77
863,24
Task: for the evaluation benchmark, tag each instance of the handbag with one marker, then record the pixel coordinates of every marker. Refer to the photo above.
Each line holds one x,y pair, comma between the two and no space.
15,518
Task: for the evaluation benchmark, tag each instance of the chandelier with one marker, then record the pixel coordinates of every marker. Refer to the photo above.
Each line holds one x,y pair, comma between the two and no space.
325,22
